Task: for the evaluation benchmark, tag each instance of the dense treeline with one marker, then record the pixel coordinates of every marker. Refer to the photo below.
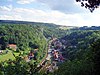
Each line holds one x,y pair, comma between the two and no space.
26,37
48,29
82,48
79,40
82,53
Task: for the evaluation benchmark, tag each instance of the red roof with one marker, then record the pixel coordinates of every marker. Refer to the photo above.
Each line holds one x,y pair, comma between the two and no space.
12,45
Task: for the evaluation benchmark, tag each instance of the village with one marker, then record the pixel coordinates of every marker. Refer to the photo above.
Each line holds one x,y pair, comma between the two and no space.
51,60
11,52
54,56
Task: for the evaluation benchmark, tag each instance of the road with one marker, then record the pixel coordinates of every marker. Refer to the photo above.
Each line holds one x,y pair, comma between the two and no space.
50,63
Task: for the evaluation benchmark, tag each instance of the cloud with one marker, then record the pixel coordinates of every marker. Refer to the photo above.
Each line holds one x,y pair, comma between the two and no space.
65,6
6,8
42,16
10,17
51,16
25,1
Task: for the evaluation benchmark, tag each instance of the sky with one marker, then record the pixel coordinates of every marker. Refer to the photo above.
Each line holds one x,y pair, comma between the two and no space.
61,12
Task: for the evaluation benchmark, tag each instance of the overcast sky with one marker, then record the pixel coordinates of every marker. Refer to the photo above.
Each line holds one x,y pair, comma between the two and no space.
62,12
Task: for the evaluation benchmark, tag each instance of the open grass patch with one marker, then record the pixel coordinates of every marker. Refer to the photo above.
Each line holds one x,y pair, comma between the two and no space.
7,56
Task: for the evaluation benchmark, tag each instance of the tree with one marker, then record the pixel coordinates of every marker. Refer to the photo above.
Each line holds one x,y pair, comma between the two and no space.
96,56
90,4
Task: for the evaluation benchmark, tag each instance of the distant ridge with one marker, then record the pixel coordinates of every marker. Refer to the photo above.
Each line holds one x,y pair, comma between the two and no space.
29,22
21,22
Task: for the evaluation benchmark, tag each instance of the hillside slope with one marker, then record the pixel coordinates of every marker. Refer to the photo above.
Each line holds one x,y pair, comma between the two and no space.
26,37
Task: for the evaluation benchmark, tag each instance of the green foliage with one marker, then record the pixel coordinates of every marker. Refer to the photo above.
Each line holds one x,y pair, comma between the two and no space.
26,37
96,56
78,42
82,58
75,67
17,67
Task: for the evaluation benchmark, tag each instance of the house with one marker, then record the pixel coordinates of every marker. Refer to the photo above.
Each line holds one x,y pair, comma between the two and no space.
12,46
35,50
26,58
1,51
31,55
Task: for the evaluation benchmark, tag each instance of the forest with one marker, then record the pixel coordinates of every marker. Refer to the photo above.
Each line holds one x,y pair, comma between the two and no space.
81,50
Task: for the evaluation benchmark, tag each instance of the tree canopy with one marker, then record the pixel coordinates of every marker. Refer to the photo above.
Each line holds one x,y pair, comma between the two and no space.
89,4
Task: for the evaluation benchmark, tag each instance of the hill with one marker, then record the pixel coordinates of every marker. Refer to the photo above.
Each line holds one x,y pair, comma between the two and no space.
25,37
48,29
79,46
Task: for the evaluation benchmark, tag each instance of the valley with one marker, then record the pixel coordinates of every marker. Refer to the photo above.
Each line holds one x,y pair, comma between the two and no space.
32,48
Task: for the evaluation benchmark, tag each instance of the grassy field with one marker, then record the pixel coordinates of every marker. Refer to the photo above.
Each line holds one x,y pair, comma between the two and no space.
8,56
